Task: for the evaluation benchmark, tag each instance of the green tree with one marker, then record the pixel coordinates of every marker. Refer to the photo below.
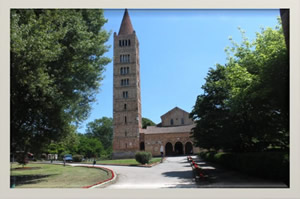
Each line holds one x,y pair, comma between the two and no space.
102,129
245,102
147,122
56,68
89,147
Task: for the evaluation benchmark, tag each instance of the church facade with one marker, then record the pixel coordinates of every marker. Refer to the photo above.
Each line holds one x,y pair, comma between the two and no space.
173,133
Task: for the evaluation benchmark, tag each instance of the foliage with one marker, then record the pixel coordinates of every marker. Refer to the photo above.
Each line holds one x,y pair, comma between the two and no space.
81,144
77,158
56,68
245,105
89,147
102,129
147,122
143,157
21,158
270,164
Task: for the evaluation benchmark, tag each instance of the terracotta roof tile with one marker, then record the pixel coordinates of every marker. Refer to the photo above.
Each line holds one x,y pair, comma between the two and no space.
126,26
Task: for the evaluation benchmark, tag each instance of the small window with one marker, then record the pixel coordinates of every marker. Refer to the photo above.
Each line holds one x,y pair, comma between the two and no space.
125,120
120,43
129,42
125,42
172,122
125,106
182,121
124,70
125,94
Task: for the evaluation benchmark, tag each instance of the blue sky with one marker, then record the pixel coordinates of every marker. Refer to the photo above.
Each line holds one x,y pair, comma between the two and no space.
177,48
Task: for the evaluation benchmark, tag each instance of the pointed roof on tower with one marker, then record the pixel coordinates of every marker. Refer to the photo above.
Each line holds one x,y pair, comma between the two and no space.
126,26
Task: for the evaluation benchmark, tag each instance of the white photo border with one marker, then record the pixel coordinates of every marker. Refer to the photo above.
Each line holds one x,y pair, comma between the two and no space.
292,192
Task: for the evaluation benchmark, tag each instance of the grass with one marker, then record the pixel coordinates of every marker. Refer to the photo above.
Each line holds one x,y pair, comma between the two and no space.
129,162
56,176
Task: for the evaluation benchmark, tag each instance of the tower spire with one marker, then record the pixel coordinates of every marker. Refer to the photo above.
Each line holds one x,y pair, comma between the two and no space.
126,26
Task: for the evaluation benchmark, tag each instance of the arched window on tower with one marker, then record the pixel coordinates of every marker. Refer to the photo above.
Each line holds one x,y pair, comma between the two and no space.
128,42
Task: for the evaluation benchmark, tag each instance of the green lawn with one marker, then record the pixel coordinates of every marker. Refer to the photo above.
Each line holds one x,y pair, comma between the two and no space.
56,176
130,162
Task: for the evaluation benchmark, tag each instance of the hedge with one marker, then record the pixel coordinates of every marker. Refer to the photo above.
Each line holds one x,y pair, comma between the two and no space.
271,165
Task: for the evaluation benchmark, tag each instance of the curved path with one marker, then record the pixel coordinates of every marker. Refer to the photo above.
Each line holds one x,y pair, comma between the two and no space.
176,172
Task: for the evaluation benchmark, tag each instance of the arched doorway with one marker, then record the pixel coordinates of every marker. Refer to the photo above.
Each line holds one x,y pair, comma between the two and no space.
178,148
142,146
169,149
188,148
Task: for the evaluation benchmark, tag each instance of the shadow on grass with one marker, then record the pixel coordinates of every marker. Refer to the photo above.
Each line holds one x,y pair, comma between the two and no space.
27,179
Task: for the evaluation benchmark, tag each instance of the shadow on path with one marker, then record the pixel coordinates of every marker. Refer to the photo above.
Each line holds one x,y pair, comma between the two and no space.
179,174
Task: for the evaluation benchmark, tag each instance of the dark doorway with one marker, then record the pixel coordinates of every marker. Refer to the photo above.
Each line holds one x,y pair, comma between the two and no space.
178,148
142,146
188,148
169,149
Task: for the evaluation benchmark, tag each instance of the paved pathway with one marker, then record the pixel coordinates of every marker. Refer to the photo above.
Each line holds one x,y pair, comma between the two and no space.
176,172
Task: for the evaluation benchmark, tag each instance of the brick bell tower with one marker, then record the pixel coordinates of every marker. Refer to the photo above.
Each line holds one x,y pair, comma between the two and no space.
127,119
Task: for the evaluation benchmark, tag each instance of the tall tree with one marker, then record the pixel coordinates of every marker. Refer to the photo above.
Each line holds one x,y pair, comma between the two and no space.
56,68
245,102
102,129
89,147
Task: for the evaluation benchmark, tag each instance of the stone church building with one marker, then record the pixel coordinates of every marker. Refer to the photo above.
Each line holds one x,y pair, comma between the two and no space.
173,133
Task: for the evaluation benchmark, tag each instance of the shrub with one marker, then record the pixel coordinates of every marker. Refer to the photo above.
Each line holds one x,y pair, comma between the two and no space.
143,157
272,165
77,158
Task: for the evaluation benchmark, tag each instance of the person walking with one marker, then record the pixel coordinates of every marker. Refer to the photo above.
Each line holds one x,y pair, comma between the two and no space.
162,152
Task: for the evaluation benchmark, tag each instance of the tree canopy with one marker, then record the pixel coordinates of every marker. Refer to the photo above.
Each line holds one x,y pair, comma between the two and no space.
56,68
102,129
245,104
147,122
